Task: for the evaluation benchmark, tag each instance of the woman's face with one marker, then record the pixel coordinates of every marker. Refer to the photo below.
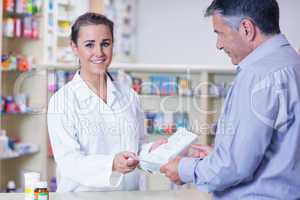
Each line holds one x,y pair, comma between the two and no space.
94,48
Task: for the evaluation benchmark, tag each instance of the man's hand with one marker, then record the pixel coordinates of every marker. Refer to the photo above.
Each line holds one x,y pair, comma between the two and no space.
200,151
125,162
171,170
157,143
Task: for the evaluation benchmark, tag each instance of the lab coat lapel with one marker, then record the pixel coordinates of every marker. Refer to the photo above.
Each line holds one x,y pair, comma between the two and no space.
121,104
113,93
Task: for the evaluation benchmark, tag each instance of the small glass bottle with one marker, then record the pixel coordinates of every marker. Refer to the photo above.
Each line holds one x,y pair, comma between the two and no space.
41,191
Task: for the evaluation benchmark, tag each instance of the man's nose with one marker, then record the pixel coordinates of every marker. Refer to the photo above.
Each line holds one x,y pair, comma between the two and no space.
219,45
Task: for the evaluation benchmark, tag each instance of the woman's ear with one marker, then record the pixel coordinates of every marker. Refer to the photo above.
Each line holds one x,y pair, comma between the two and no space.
74,48
247,29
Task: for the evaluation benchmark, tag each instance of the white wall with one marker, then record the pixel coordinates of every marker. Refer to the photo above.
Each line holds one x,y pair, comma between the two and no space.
175,31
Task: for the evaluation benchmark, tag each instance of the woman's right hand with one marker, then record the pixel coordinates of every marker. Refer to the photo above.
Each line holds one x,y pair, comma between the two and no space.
125,162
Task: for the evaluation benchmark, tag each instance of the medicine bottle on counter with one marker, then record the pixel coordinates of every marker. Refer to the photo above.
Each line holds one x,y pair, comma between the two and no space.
31,179
41,191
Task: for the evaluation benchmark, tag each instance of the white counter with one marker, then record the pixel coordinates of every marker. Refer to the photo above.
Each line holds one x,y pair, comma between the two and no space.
189,194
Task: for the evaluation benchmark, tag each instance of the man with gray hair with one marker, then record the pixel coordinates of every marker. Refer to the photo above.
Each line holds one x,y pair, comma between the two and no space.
257,147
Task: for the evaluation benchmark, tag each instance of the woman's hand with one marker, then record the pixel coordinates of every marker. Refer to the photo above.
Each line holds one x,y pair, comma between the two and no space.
200,151
157,143
125,162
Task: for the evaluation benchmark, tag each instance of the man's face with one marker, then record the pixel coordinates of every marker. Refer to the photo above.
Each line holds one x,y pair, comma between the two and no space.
230,40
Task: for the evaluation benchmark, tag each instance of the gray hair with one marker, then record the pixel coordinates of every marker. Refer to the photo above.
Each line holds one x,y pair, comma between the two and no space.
264,14
233,21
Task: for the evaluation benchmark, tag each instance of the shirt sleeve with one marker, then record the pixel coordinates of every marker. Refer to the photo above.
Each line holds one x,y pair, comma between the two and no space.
245,128
72,162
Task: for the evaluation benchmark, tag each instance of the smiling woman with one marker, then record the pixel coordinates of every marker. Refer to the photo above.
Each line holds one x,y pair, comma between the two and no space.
96,124
94,48
92,42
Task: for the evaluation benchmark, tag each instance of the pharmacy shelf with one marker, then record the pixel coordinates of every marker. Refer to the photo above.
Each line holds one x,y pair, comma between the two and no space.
141,67
20,15
165,96
66,3
154,136
13,70
64,35
14,155
151,96
63,19
20,39
22,113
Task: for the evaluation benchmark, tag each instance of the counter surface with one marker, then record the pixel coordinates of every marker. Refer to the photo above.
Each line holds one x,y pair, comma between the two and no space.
190,194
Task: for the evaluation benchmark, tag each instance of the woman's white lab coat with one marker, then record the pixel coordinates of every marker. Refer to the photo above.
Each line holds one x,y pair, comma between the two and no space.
86,133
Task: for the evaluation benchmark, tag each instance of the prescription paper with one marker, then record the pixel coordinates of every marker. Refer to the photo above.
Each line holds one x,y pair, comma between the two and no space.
177,143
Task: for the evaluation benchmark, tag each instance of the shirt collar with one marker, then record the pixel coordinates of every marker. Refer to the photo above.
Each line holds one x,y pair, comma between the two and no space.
83,92
264,49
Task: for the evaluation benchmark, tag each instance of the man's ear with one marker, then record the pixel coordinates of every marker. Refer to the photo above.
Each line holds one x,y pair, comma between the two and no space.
74,48
247,29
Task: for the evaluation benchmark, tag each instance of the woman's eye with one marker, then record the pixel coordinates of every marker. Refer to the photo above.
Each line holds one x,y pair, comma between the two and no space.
105,44
89,45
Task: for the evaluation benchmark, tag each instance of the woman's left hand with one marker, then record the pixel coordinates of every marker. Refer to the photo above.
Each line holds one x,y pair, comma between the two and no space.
157,143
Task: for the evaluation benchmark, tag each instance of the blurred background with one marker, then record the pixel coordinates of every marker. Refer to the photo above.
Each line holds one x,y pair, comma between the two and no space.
164,48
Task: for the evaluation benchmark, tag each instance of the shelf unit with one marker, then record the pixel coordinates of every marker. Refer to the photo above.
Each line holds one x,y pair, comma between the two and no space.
123,14
27,127
59,16
1,31
14,155
1,22
204,109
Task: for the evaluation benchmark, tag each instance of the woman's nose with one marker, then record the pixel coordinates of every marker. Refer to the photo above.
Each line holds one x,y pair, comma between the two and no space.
99,51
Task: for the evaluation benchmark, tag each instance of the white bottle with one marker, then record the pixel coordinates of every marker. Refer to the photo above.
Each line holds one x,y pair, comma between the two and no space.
4,148
11,186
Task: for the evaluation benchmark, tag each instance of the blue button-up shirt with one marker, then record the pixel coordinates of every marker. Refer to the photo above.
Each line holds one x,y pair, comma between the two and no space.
257,145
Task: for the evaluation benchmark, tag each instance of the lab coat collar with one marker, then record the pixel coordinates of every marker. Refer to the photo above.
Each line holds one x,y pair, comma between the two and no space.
112,91
83,92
